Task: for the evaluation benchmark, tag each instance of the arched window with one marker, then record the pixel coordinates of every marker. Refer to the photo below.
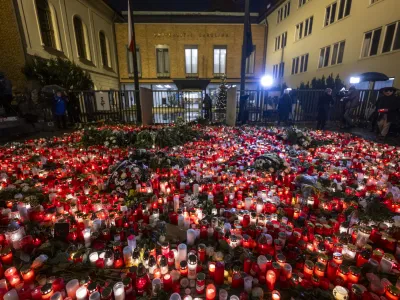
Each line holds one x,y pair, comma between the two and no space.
81,38
48,24
105,50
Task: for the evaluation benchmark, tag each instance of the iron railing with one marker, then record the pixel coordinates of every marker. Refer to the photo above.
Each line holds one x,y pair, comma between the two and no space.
171,105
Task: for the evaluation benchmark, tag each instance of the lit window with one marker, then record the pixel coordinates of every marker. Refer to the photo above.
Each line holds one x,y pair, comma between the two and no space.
105,50
283,12
48,24
250,62
371,42
130,61
162,55
219,60
191,60
392,38
81,38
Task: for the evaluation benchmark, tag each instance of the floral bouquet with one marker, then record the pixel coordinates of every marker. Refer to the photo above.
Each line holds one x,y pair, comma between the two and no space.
270,162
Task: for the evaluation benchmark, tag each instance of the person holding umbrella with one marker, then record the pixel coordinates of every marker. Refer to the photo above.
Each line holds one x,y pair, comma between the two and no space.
388,106
60,110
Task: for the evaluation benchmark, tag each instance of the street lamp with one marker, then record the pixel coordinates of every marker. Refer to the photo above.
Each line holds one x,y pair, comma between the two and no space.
354,80
267,81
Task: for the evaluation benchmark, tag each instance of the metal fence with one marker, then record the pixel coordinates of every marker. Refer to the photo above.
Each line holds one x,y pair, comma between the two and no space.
171,105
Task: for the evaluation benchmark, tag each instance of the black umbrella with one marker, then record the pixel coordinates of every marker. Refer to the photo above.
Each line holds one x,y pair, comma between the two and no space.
373,76
52,89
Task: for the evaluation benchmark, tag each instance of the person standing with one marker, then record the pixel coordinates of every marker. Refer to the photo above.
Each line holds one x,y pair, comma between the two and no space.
351,100
284,107
6,95
207,105
60,110
388,106
325,101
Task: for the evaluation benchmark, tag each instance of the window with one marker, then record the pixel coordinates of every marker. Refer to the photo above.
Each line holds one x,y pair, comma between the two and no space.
48,24
371,42
330,14
105,50
302,2
81,38
300,64
333,13
130,61
250,62
331,55
374,1
283,12
304,29
278,70
338,52
162,56
219,60
280,41
392,38
191,60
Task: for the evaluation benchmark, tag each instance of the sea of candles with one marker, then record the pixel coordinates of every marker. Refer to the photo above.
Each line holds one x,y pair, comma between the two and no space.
217,196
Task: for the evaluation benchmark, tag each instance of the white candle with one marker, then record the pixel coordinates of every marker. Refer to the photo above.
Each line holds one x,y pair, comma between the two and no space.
190,237
175,296
119,291
81,293
72,287
176,203
86,237
11,295
95,296
182,252
262,263
93,257
132,241
196,189
181,220
248,283
182,186
186,223
247,203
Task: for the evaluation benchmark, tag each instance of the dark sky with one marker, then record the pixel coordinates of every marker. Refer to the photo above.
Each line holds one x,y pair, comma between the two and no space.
189,5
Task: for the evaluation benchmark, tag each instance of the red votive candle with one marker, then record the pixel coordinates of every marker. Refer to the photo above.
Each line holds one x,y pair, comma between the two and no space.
219,273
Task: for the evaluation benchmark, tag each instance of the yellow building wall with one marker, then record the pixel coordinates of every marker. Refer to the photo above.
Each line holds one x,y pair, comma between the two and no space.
176,36
12,58
363,18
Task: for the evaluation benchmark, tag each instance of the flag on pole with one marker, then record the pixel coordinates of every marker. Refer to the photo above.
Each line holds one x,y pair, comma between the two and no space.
130,33
249,44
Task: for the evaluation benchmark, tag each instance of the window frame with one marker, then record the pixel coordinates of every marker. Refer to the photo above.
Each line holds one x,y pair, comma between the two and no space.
283,11
52,24
281,41
372,32
192,47
138,59
302,3
87,56
339,4
220,47
163,74
300,64
253,57
329,53
107,49
395,34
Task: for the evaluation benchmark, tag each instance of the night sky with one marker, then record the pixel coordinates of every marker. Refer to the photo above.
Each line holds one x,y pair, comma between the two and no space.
190,5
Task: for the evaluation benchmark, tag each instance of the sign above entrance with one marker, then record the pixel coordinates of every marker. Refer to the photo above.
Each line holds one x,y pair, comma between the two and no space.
191,35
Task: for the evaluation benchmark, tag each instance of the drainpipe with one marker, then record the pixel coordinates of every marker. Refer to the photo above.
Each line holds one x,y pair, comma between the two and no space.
116,51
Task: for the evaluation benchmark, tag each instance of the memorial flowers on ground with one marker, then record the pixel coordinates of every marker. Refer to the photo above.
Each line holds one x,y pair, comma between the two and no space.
186,212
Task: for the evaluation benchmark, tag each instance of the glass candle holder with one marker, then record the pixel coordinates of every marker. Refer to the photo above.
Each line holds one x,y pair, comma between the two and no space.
192,266
211,292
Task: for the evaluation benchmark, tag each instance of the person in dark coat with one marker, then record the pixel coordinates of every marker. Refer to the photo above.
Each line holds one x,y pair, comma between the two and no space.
60,110
351,101
6,95
284,107
325,101
388,106
207,105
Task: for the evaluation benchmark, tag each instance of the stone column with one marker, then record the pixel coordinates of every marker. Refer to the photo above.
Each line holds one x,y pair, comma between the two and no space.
146,102
231,103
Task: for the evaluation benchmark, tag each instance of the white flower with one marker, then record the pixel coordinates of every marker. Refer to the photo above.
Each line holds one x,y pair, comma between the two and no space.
106,144
123,175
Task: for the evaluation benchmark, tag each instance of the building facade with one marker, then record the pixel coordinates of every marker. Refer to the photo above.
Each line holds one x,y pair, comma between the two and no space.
79,30
185,51
312,38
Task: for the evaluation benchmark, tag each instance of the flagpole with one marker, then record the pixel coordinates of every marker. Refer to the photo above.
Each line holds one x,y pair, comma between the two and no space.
243,62
135,66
